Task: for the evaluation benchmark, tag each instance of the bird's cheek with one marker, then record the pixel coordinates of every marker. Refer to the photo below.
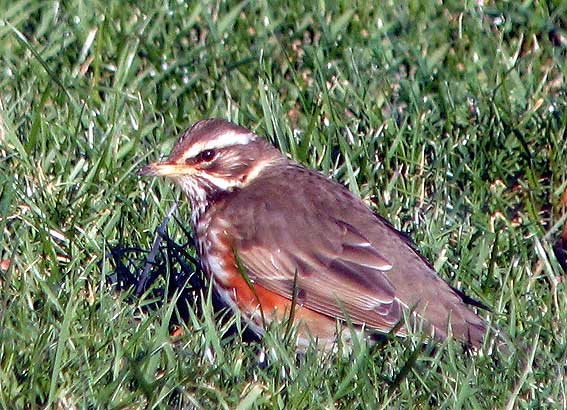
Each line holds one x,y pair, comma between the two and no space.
236,171
212,168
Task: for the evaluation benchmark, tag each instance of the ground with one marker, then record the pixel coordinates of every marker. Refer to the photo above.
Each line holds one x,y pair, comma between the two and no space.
448,118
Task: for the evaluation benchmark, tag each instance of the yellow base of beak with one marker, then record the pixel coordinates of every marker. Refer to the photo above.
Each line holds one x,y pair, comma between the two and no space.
158,169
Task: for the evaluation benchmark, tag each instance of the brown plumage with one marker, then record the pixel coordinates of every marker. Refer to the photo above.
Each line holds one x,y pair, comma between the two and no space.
298,234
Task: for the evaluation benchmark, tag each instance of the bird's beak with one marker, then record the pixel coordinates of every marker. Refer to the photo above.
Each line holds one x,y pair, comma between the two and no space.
162,169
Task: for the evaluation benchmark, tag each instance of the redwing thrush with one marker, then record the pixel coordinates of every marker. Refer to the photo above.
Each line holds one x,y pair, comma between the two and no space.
270,231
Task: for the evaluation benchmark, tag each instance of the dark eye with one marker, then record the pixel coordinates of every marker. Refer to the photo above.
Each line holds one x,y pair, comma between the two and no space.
206,155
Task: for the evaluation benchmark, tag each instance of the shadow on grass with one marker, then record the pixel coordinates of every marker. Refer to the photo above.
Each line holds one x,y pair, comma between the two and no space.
166,272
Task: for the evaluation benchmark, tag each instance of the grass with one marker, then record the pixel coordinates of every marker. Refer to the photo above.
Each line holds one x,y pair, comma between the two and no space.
450,119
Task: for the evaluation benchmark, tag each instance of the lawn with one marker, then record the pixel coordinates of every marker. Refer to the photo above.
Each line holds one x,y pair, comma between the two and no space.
448,118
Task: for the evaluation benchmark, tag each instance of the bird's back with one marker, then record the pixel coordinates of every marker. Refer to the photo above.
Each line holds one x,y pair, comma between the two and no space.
314,227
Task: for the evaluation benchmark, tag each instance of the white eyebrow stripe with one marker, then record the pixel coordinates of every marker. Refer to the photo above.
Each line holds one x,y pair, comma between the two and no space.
226,139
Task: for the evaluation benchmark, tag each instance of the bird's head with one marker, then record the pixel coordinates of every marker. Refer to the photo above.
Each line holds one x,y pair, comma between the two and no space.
212,157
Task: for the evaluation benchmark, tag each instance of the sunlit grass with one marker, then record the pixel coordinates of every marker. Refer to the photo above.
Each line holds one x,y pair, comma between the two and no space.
450,120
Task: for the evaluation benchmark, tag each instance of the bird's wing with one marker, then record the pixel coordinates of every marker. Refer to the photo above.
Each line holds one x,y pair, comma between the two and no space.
338,270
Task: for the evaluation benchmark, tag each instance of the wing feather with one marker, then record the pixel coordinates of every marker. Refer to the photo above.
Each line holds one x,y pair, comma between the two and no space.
339,271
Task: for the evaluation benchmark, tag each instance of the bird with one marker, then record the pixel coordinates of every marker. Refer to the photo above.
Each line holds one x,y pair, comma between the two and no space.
277,241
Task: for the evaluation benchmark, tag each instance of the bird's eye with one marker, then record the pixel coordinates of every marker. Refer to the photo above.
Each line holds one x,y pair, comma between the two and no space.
206,155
